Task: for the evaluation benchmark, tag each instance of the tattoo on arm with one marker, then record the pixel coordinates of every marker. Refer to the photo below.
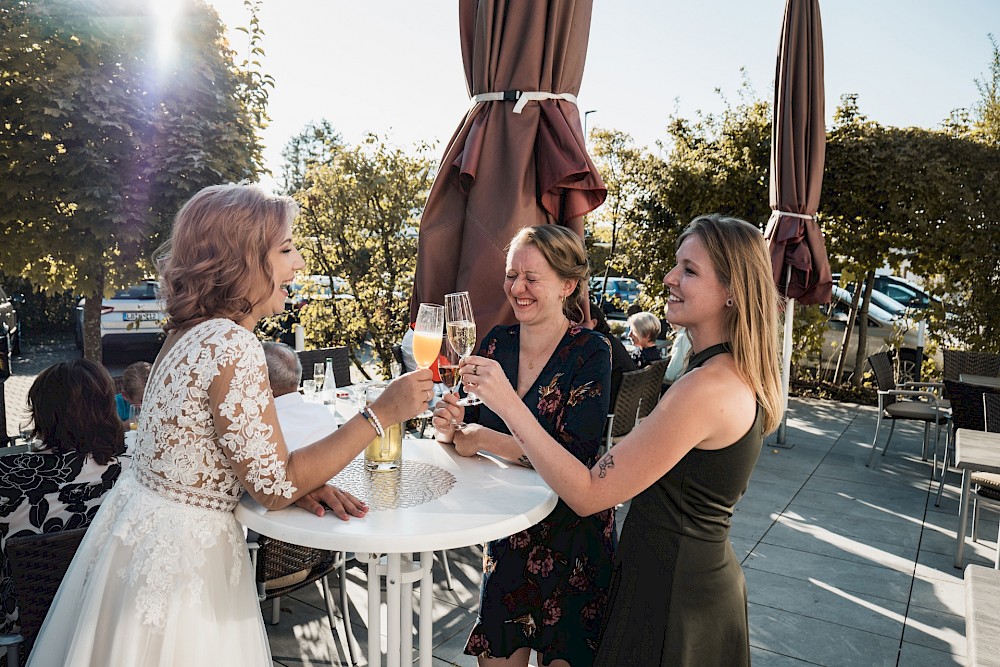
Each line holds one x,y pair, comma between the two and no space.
606,464
523,458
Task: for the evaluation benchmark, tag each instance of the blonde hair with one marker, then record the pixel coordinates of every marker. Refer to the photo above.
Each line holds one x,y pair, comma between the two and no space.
565,253
646,325
742,262
134,380
215,263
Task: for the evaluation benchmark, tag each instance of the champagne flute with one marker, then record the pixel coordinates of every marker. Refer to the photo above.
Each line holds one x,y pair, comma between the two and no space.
461,331
319,375
451,378
427,334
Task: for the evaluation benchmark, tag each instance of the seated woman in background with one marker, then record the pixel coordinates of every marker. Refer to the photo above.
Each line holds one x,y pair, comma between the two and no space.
643,329
133,387
80,454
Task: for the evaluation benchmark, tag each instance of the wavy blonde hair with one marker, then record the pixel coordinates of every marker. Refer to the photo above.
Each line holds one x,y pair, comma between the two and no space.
215,263
741,259
564,251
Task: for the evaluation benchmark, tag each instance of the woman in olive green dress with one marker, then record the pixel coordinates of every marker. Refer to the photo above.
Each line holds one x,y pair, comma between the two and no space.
678,595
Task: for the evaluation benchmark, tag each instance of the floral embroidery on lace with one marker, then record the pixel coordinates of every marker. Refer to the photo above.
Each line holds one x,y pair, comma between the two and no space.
176,502
179,452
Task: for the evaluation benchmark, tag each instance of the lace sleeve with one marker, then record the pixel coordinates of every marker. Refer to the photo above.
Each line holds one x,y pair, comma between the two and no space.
245,418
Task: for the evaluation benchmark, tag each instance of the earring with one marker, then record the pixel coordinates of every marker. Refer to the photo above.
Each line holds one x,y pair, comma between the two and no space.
729,302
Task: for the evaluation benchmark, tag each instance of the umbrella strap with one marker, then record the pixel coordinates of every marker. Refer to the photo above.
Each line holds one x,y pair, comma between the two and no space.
522,97
773,220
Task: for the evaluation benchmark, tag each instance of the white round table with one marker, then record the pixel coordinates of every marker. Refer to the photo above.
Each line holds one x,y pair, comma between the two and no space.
489,499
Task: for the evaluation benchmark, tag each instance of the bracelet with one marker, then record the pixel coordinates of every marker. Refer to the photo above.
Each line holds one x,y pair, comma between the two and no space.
369,414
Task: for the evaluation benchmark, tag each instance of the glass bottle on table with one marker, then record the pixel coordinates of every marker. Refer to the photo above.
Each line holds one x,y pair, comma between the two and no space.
461,325
329,383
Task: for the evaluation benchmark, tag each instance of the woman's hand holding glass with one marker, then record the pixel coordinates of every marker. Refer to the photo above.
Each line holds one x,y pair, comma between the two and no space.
486,378
448,415
405,397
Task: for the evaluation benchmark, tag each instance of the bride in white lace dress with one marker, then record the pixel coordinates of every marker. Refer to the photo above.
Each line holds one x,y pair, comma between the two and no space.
163,574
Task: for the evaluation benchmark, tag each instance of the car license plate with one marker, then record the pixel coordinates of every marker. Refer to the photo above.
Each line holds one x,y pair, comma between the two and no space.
142,317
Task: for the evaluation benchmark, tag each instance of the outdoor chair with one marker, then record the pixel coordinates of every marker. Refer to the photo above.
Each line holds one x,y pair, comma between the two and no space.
637,396
397,355
966,412
906,401
958,362
38,563
341,362
281,568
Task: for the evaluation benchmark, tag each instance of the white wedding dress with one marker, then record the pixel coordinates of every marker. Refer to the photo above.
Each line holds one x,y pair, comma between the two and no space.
163,574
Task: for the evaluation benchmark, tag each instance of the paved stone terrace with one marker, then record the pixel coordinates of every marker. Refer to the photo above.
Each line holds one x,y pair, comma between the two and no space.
844,565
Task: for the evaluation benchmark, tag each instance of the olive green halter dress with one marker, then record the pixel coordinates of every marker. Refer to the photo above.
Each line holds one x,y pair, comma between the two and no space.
678,596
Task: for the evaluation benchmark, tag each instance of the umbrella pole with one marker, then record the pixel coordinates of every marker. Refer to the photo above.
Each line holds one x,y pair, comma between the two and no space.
786,368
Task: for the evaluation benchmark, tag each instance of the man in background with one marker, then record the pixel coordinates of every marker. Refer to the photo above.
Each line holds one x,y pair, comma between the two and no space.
301,423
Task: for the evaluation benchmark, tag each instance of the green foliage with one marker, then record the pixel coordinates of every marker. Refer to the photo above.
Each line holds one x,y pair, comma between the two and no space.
718,163
808,326
620,164
102,142
41,312
360,208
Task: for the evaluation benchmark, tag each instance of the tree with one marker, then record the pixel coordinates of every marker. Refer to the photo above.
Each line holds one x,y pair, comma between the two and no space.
359,215
718,163
101,142
317,144
620,164
924,199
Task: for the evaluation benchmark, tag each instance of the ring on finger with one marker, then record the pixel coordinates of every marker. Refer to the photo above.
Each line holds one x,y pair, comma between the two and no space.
475,370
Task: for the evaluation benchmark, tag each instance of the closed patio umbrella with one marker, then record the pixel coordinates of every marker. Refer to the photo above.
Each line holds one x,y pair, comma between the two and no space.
798,146
518,157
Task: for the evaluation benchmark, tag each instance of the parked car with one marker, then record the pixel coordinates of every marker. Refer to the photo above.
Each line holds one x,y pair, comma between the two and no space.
10,331
904,292
306,288
131,320
10,323
882,327
880,299
619,293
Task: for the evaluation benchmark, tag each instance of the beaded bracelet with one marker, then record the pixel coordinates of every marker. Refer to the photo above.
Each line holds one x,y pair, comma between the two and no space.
369,414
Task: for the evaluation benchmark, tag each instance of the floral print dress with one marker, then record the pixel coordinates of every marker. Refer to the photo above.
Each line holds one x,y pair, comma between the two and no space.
547,587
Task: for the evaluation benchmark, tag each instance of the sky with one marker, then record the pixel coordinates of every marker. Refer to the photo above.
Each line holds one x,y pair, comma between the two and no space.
394,67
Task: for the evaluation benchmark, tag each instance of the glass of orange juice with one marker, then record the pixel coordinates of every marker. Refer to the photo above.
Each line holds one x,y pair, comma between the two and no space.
427,334
133,416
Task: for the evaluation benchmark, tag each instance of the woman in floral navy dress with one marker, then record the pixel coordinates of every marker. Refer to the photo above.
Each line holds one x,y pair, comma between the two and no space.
544,588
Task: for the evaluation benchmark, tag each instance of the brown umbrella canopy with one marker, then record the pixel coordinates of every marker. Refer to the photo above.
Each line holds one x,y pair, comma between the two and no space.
798,147
514,161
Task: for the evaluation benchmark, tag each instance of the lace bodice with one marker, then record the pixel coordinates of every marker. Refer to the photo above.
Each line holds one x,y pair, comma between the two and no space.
205,422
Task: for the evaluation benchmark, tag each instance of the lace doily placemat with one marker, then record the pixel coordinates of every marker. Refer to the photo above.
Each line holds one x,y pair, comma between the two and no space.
413,483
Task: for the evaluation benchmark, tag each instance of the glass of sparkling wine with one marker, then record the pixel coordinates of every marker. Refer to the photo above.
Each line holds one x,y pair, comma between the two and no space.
461,331
427,334
451,378
319,374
